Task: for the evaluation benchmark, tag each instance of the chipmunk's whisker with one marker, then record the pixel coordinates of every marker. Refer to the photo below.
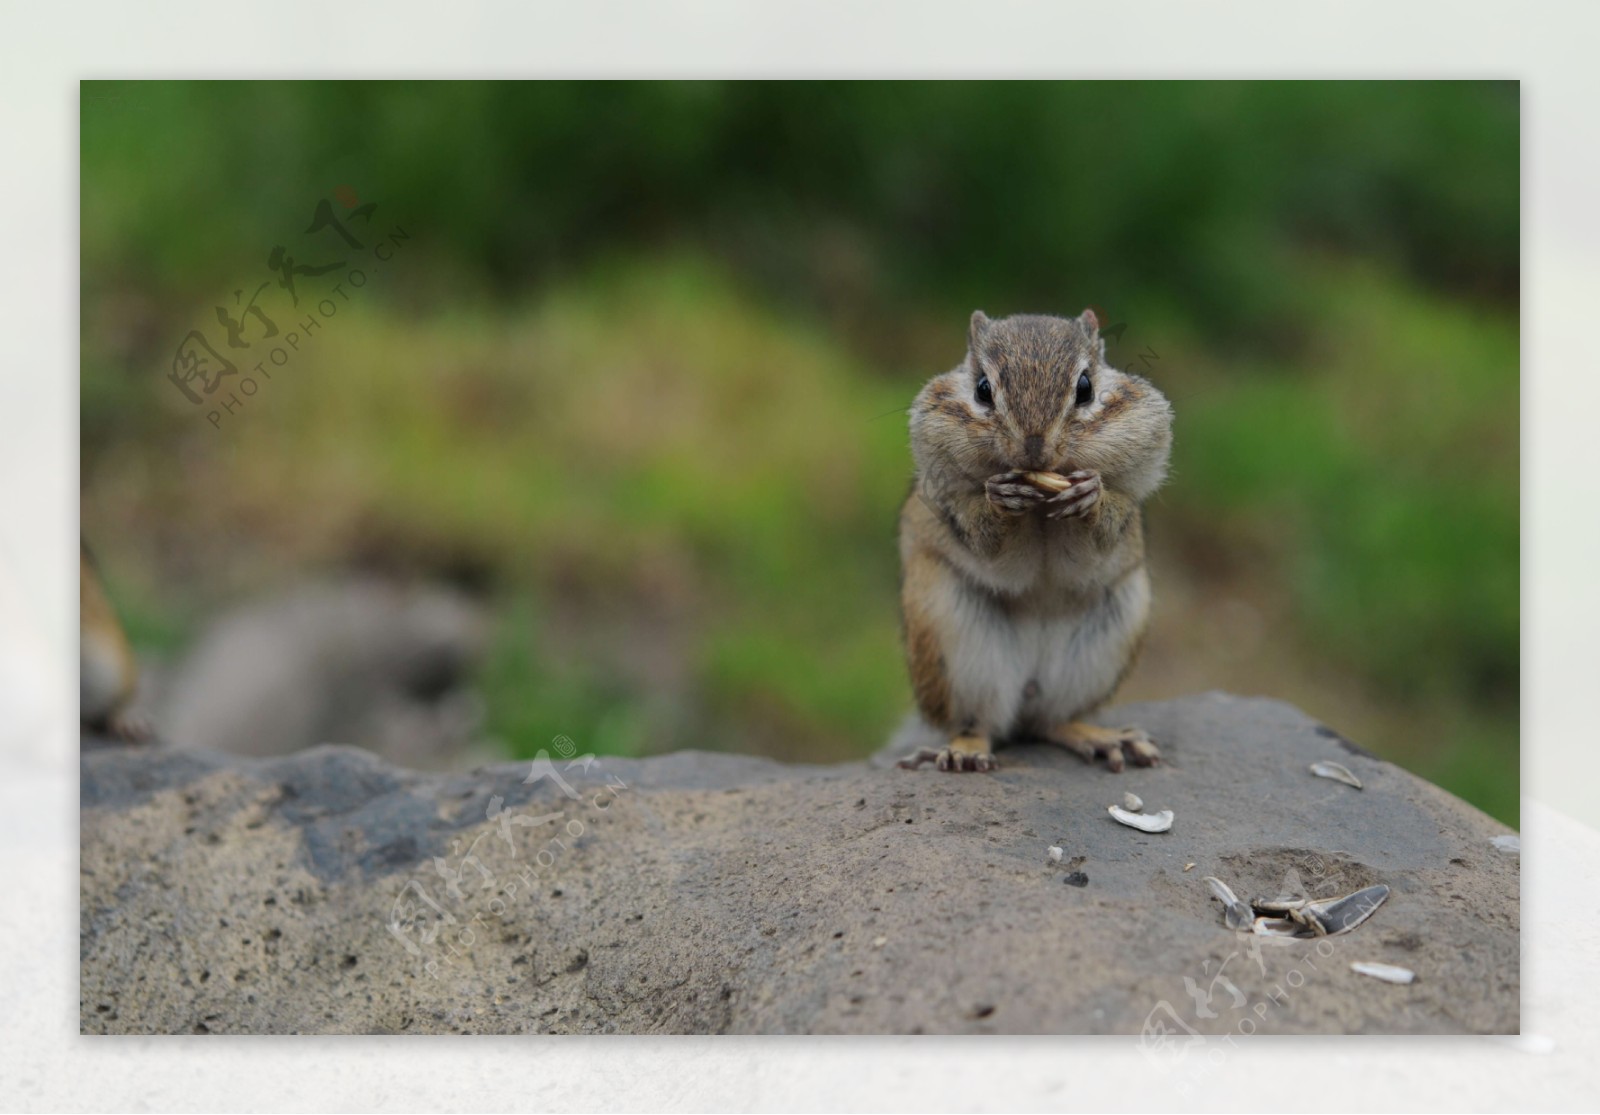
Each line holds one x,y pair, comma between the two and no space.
885,414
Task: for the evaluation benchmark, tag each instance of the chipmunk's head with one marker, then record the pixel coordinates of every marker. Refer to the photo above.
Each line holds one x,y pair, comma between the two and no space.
1035,394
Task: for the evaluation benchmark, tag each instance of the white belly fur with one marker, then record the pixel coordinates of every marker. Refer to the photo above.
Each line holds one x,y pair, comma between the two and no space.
1075,653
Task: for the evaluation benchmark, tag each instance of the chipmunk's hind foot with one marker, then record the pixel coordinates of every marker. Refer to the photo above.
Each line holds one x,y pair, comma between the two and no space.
961,754
122,726
1117,746
130,727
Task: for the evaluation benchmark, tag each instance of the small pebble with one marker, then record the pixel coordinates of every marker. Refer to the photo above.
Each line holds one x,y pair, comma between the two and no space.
1055,854
1133,803
1076,879
879,942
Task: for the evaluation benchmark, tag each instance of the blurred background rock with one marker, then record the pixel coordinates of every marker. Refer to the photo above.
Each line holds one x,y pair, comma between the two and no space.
616,435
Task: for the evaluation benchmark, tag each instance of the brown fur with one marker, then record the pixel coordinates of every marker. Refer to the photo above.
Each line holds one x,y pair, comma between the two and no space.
108,671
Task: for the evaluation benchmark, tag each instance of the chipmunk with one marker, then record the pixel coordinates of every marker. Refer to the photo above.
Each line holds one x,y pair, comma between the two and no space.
1024,595
108,673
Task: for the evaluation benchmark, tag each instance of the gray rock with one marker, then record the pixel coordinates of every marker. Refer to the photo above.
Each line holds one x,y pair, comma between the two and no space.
701,892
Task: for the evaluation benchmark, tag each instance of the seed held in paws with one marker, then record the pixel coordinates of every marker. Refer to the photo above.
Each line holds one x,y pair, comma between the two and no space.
1051,480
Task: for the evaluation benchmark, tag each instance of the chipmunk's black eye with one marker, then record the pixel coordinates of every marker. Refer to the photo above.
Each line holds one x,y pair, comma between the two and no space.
1085,390
985,392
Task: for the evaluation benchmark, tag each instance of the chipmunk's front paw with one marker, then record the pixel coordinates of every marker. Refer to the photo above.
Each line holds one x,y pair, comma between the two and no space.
1012,493
1078,500
962,753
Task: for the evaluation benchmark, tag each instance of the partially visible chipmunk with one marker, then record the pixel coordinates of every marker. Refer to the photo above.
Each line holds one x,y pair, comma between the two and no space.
1024,594
108,674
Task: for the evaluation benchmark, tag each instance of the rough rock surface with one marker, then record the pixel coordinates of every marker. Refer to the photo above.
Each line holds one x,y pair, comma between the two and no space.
699,892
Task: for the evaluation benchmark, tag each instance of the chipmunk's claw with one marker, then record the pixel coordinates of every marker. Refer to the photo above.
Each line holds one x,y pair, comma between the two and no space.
959,760
964,753
1077,500
1013,494
1117,746
1140,748
968,753
915,760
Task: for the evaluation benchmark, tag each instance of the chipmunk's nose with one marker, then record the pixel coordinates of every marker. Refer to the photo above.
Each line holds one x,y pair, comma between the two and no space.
1033,450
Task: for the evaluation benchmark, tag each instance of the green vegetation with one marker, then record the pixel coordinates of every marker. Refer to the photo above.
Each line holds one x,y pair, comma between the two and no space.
641,369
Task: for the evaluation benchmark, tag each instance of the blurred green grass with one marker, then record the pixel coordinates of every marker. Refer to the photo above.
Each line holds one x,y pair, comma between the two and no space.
1390,462
645,373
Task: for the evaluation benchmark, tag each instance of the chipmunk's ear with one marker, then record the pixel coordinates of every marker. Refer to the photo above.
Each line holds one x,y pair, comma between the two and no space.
1090,319
976,328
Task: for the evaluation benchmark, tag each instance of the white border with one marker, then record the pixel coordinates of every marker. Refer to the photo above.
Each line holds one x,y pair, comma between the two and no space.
47,48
